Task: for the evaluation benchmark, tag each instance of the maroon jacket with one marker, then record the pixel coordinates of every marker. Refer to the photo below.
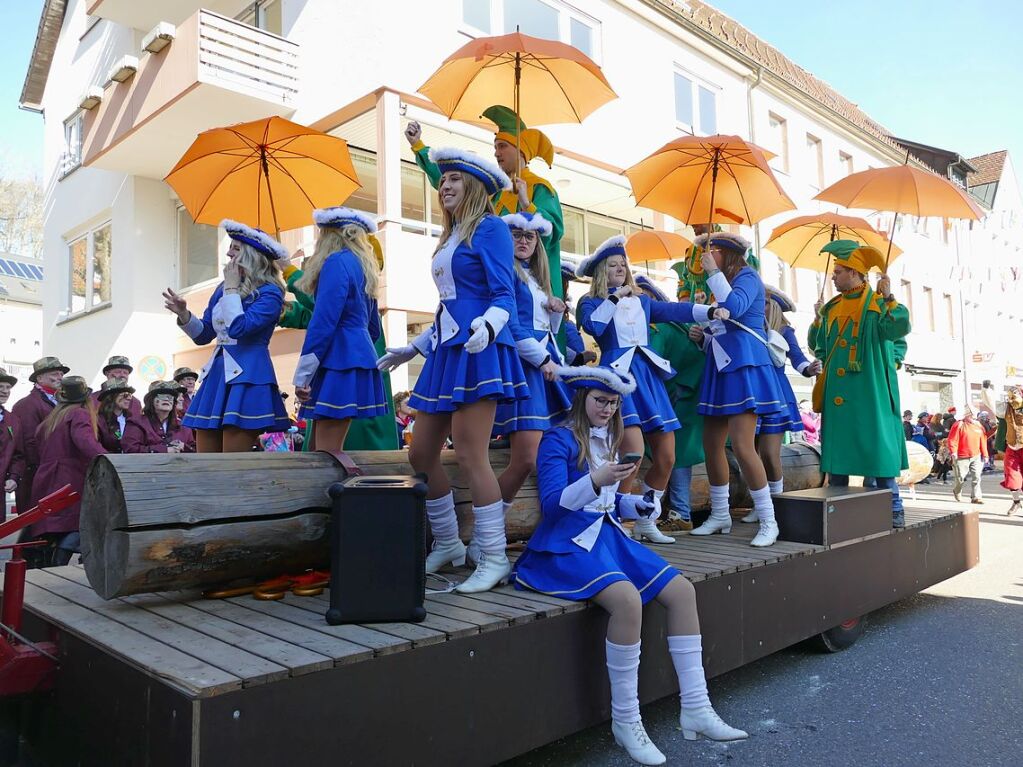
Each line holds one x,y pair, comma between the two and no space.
108,437
64,457
135,409
143,435
30,411
12,460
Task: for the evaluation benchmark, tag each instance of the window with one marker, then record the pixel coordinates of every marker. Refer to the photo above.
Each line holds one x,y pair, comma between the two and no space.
950,316
907,298
73,129
846,161
574,238
365,198
197,251
89,262
263,14
695,105
815,155
929,306
549,19
778,131
418,199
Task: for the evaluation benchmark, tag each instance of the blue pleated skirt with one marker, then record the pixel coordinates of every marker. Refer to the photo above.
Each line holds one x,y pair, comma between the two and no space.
649,406
547,403
749,388
453,377
583,574
351,393
786,419
247,406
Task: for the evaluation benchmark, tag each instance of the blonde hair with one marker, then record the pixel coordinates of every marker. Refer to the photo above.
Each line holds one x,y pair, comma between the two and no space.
774,316
598,283
538,267
333,239
579,424
258,269
475,205
60,412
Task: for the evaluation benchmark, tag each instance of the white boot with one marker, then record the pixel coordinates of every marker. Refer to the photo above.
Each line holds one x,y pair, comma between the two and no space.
764,507
491,569
445,553
766,535
720,520
776,486
472,552
645,529
633,738
705,723
750,518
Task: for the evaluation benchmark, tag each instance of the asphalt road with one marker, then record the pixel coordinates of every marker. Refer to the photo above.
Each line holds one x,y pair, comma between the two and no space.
936,680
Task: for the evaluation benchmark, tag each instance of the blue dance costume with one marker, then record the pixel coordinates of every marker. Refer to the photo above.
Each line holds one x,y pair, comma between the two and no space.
622,329
239,387
574,342
472,279
580,547
740,376
789,417
338,359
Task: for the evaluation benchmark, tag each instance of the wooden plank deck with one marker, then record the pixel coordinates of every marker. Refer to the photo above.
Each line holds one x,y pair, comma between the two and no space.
204,648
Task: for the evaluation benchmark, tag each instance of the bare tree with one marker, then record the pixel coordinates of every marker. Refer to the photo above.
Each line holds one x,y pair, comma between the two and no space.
21,216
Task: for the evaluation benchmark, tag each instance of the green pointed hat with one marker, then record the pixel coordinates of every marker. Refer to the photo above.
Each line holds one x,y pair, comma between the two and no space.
531,142
849,253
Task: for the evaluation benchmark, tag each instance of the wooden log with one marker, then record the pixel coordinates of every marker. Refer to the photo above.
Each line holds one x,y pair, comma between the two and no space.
920,464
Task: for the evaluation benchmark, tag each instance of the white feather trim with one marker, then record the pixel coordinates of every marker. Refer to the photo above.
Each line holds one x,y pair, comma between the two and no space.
647,284
786,303
585,268
339,215
623,383
537,223
269,245
486,170
737,240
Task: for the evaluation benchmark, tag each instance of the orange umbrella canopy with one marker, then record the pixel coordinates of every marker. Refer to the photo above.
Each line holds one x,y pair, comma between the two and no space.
798,241
709,180
558,83
902,189
269,173
655,245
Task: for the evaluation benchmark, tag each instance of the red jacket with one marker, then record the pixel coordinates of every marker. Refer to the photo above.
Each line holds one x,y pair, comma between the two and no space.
143,435
30,411
64,457
967,440
12,460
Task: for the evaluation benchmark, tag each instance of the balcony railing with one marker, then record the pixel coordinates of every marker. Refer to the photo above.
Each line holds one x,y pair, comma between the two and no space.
233,52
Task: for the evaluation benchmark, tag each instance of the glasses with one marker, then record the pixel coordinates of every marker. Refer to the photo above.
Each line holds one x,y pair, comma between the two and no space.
518,234
606,404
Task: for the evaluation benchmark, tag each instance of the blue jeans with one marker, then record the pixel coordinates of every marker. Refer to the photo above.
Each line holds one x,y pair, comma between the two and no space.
881,483
678,488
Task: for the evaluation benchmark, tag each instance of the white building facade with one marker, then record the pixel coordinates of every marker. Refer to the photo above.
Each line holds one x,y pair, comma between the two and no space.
126,86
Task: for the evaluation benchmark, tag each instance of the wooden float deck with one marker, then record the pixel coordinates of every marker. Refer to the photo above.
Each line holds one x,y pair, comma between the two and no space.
242,650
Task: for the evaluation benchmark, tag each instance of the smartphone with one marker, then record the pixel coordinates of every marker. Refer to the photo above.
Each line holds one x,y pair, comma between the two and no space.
630,458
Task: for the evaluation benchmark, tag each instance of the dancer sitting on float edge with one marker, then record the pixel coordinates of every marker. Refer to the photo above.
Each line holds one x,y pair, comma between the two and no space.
239,398
538,317
771,428
619,317
472,363
739,385
337,379
580,551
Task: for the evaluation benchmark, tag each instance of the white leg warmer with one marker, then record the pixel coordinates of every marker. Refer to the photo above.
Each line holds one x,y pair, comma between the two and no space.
776,486
489,527
687,655
763,504
623,672
719,502
443,522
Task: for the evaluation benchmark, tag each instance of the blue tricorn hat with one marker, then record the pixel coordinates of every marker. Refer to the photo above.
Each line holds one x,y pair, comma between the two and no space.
613,246
530,222
487,171
583,377
339,216
648,286
255,238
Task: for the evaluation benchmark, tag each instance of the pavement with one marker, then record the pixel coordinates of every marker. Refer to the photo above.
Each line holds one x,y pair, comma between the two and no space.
935,680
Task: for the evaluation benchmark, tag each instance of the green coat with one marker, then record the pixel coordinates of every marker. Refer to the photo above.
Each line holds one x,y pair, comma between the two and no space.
861,424
544,201
671,341
379,433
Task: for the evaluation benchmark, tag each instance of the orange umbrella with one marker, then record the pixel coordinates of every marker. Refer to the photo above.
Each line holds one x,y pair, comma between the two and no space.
654,245
902,189
709,180
270,173
798,241
562,84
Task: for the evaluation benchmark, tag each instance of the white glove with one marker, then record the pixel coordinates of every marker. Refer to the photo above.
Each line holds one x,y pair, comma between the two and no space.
634,507
719,313
485,329
396,357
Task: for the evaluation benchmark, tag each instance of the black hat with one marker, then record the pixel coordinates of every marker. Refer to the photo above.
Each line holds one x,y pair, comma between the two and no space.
73,390
7,378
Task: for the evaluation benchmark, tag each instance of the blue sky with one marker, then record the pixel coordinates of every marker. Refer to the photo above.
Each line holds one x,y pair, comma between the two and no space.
939,72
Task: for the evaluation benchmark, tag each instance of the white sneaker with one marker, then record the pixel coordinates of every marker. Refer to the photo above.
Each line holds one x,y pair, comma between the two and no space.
491,569
705,723
750,518
452,553
633,738
646,530
767,534
713,525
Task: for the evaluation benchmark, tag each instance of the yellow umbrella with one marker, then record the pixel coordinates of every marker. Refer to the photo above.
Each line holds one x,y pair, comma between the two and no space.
798,241
708,180
270,173
902,189
654,245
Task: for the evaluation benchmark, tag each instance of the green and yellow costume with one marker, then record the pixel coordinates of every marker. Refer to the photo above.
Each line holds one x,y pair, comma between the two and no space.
671,341
857,394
